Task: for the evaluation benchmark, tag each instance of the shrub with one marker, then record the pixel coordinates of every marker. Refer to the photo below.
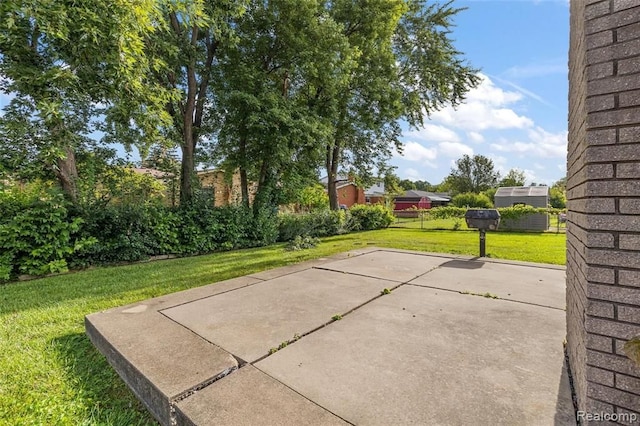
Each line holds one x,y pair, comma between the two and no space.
37,233
127,233
315,224
469,199
369,217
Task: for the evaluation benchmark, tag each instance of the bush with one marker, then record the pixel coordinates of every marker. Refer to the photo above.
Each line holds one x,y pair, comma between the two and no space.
37,234
369,217
469,199
315,224
127,233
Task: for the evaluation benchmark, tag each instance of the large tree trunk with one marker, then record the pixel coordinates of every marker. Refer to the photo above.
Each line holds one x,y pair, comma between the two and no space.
187,170
333,158
67,174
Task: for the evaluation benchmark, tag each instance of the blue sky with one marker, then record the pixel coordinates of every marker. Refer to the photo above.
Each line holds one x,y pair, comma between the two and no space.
518,115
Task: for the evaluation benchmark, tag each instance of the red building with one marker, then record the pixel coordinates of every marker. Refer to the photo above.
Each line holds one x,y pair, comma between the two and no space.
414,200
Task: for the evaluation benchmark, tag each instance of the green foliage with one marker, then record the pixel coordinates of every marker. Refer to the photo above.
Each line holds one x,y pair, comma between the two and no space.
557,198
472,174
37,234
302,243
469,199
445,212
514,177
632,349
313,198
128,232
320,223
369,217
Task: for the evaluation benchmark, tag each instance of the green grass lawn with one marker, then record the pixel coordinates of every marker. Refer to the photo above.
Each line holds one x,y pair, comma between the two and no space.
51,374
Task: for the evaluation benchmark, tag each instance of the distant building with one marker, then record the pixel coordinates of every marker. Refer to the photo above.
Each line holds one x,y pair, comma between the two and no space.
414,199
223,189
534,196
349,193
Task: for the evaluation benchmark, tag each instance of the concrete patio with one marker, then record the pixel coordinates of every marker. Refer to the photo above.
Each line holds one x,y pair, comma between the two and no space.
456,341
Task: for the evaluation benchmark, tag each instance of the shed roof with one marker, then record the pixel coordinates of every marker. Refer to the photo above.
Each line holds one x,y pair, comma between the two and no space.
523,191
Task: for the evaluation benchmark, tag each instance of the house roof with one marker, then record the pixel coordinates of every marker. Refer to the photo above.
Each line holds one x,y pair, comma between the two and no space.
416,194
523,191
376,190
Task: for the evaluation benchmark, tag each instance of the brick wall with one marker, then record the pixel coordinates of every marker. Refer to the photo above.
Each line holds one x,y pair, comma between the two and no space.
603,191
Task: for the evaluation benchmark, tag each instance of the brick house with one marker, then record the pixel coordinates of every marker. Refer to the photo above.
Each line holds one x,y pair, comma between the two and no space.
350,194
224,190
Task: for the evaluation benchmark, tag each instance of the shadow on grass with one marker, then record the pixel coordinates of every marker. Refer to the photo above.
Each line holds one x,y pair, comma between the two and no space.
139,281
99,390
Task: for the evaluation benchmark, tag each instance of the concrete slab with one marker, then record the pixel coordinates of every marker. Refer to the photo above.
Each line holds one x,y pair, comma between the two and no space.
419,355
529,284
249,322
425,356
156,357
389,265
250,397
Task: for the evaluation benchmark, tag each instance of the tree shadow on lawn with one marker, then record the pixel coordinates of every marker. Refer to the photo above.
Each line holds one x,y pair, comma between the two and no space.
99,390
130,283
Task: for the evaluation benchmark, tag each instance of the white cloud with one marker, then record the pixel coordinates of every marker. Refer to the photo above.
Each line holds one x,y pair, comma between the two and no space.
485,108
413,151
537,70
476,137
412,174
435,133
541,144
454,149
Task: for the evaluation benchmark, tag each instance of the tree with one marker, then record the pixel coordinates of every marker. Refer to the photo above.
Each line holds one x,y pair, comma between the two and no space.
558,194
268,82
402,65
407,184
472,174
514,177
62,60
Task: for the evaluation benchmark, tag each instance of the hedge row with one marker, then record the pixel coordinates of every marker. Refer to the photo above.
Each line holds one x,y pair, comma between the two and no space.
40,233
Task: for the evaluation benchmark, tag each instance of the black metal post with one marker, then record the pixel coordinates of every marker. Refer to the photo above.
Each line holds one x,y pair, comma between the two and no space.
483,239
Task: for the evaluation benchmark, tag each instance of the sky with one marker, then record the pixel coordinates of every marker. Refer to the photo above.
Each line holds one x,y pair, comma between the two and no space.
517,116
